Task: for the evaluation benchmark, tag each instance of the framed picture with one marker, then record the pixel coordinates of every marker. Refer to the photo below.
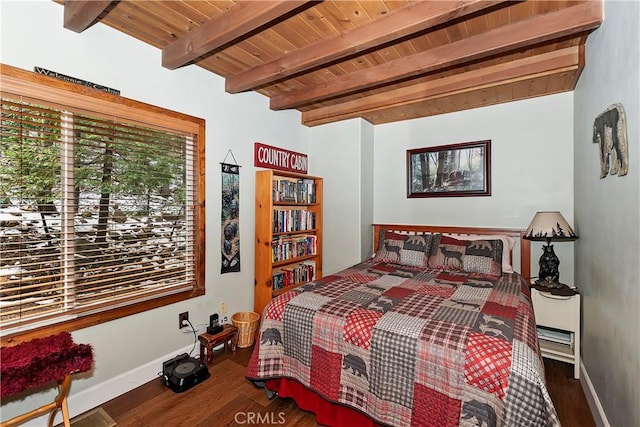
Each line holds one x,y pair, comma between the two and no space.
450,170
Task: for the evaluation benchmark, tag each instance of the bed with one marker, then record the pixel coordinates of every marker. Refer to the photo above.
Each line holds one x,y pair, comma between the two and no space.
436,329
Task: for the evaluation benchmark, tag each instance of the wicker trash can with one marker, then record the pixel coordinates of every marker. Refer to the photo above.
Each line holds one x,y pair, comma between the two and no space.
247,323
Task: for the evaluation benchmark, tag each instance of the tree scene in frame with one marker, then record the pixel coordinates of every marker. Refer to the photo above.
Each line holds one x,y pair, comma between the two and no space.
453,170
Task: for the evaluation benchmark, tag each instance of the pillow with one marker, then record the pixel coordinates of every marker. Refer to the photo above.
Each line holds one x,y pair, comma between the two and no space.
473,256
404,249
447,252
508,244
483,256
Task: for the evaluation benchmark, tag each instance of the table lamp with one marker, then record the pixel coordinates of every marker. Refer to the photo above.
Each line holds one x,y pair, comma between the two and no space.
547,227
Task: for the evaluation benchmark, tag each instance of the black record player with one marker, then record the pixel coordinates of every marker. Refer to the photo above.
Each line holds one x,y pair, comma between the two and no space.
183,372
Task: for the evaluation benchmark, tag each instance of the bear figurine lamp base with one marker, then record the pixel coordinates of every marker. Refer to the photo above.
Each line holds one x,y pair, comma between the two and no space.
549,226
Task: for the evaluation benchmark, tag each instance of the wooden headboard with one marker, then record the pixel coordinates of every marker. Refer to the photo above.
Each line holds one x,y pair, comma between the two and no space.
523,244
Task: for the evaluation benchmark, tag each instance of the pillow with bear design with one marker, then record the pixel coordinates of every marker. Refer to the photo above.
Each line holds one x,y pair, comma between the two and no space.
483,256
508,243
473,256
447,253
403,249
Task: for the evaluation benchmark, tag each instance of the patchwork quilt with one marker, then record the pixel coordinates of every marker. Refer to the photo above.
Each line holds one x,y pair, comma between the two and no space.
411,346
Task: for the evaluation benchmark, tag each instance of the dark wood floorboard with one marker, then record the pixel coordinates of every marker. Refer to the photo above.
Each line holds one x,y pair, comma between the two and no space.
216,401
567,395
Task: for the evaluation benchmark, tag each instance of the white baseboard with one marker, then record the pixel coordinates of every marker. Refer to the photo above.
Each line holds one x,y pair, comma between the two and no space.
597,411
98,394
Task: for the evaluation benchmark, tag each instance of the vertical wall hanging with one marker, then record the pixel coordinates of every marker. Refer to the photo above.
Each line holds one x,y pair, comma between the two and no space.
610,133
230,216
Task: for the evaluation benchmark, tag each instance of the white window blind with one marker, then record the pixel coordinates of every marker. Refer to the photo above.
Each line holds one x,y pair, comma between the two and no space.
97,212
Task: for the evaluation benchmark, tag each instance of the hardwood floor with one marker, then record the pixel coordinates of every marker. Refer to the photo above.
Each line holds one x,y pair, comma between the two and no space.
228,399
567,395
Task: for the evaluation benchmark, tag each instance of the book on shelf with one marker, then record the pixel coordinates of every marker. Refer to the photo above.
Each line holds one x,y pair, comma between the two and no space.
278,280
288,220
286,246
554,335
291,276
294,190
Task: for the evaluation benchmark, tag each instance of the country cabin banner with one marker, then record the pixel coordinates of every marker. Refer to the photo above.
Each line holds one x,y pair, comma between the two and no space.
230,218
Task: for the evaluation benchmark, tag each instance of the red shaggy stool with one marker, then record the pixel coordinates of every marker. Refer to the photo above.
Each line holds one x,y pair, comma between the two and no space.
37,362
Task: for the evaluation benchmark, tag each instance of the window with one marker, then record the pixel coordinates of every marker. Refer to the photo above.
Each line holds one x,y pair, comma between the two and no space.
101,206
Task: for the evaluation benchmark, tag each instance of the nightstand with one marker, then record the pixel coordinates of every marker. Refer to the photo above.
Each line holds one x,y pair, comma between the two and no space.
558,324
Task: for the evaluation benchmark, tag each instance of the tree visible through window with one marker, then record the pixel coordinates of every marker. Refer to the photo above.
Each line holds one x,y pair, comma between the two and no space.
97,212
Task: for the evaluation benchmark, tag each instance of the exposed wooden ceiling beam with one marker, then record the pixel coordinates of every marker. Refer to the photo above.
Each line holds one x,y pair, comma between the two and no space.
569,58
565,22
80,14
574,82
240,19
409,20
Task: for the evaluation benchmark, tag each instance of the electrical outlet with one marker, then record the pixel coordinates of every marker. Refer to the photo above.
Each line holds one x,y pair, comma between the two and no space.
181,317
223,307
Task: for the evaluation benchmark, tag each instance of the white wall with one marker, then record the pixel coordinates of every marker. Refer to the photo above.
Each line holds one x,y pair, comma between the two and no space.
341,153
366,190
129,351
608,213
531,168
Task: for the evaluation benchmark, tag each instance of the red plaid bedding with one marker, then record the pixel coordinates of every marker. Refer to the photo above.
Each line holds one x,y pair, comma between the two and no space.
411,347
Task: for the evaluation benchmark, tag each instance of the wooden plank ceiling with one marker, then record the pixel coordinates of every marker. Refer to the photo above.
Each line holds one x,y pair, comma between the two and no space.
383,61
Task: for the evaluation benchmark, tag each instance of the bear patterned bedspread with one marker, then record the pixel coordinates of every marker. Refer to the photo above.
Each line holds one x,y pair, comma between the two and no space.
411,346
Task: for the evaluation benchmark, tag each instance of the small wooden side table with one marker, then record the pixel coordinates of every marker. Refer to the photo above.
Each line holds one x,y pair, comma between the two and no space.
208,341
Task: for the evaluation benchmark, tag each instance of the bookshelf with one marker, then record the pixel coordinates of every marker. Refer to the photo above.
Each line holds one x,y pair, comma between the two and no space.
288,232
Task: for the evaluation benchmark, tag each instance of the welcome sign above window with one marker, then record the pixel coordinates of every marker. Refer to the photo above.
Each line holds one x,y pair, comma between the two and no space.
270,157
75,80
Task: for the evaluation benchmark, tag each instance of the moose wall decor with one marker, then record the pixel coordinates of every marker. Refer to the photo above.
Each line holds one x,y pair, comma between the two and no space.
610,132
